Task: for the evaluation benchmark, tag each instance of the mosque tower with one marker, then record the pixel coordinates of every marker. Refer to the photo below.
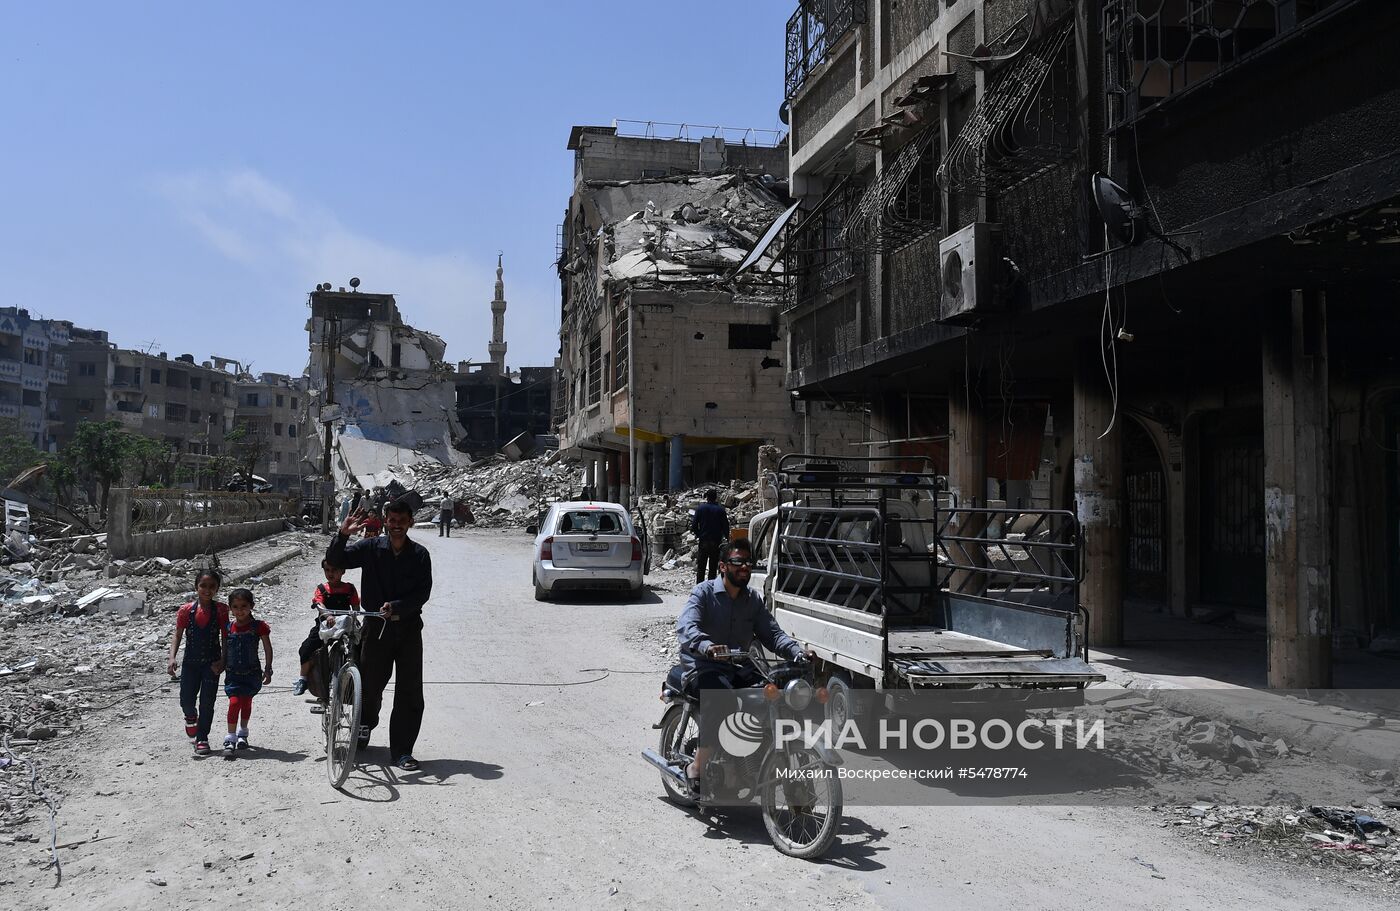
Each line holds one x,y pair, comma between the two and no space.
497,346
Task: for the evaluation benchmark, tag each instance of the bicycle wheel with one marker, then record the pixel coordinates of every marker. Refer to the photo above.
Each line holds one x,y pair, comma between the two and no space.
343,727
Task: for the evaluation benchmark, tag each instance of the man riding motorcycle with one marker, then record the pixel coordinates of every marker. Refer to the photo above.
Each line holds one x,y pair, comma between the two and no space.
723,614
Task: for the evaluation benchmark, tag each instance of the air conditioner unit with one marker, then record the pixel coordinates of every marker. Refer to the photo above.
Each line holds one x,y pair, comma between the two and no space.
969,264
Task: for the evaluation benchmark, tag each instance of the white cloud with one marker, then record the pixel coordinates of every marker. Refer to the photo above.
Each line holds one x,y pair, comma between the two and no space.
295,244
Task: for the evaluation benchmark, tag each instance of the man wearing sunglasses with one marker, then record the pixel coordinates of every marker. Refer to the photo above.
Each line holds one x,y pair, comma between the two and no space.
723,614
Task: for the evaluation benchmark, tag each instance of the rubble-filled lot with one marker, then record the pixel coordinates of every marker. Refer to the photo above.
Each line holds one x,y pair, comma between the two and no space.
78,644
500,492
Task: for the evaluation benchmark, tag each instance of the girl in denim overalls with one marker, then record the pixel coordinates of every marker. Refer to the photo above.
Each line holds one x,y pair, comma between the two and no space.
201,623
244,678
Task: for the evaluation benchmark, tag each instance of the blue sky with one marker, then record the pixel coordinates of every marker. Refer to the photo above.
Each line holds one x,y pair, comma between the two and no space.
185,173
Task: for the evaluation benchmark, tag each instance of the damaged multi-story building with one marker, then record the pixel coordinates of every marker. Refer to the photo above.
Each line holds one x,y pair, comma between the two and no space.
270,408
188,405
381,386
671,365
496,404
1162,231
33,371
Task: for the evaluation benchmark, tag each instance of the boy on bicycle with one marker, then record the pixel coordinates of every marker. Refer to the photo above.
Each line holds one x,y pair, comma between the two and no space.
334,594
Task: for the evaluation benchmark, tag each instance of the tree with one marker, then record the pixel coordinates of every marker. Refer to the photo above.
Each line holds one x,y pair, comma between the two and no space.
249,446
99,452
17,451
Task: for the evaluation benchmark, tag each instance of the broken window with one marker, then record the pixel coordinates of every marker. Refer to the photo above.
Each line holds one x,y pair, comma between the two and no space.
291,430
750,336
294,401
196,383
277,429
621,319
194,416
33,356
250,399
174,412
85,406
155,377
85,369
280,399
607,372
595,368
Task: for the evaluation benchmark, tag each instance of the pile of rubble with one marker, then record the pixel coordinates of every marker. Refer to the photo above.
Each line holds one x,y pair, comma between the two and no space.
1355,838
668,520
499,492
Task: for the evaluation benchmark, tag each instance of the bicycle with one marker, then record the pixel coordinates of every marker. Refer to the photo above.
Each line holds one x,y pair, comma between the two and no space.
341,721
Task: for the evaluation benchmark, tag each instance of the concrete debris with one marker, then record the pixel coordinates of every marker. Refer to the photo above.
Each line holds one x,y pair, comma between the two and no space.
681,229
497,492
76,643
1295,835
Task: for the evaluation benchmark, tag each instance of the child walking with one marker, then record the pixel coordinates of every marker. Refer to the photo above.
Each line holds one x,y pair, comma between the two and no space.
244,679
333,594
202,623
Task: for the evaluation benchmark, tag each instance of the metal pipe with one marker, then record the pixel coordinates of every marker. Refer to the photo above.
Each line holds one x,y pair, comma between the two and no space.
631,410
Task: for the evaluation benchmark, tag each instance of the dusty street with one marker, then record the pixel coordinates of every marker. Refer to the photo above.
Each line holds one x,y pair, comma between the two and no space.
535,796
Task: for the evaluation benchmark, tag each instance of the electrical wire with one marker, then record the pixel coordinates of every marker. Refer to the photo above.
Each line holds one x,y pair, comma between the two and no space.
40,790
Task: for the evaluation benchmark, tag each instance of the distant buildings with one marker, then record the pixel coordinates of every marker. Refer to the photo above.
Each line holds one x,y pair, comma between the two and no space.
33,360
272,410
188,405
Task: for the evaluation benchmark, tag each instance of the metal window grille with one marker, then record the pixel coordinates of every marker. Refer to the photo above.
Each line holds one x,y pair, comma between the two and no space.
1158,49
902,204
1024,122
812,32
621,316
595,369
818,258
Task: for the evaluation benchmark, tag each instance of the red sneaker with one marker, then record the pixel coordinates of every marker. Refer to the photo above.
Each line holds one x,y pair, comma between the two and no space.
191,728
201,748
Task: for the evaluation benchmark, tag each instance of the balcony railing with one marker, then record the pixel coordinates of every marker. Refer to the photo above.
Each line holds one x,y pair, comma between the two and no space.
817,259
1159,49
8,410
10,370
812,32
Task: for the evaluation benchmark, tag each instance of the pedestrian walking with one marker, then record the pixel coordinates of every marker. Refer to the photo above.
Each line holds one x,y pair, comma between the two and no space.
710,525
243,679
203,624
395,581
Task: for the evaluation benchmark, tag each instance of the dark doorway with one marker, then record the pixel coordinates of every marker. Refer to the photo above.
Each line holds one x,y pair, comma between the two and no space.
1145,495
1232,509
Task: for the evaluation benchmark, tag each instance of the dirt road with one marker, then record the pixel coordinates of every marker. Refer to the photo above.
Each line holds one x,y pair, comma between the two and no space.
536,797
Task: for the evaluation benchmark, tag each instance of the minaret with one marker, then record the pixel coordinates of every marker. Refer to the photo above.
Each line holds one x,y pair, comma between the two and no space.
497,346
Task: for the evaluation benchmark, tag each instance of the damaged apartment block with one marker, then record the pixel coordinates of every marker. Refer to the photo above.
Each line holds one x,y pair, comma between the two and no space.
672,367
379,387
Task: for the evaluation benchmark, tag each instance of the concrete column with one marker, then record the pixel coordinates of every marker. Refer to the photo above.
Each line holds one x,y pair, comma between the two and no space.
967,478
1098,497
590,472
1297,492
643,468
658,467
677,467
624,479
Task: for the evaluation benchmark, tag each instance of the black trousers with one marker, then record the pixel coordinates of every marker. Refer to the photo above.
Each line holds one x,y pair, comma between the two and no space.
399,652
311,643
706,561
710,720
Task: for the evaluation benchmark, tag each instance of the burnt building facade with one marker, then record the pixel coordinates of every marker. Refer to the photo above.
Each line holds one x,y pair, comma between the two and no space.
1129,258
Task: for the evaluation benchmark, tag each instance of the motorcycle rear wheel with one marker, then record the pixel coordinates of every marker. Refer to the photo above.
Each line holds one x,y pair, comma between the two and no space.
801,814
678,746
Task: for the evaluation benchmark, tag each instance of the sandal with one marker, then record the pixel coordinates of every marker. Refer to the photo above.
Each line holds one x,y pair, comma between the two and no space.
407,763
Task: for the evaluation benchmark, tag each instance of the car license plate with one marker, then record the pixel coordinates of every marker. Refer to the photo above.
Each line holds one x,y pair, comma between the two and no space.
590,548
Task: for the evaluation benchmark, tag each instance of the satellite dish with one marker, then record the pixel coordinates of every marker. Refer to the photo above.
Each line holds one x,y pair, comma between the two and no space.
354,283
1119,211
785,111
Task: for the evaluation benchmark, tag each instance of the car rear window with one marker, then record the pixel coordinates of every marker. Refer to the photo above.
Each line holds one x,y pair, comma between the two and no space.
589,522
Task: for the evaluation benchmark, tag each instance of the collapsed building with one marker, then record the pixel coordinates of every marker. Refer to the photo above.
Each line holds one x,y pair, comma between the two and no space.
671,367
379,387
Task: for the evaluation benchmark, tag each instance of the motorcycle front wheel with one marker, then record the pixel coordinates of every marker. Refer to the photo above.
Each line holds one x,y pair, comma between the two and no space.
801,799
678,746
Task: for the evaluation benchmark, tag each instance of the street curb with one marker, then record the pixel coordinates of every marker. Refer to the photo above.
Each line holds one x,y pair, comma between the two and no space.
1336,733
258,569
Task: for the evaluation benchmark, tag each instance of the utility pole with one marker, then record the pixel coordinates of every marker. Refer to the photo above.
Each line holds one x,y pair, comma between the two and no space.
330,344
